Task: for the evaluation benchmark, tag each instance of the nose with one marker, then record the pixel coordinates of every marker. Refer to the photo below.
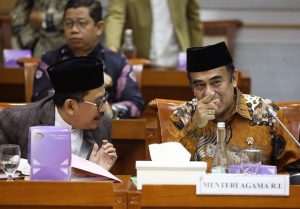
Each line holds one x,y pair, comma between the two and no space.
101,111
208,90
103,108
74,28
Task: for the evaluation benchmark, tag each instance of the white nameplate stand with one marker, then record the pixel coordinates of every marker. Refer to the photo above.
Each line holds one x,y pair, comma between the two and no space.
241,184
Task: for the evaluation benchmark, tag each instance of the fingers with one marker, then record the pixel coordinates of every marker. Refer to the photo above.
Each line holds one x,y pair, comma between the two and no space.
109,155
210,101
105,156
211,112
104,141
206,110
110,150
208,98
216,102
94,154
108,147
209,115
95,149
113,156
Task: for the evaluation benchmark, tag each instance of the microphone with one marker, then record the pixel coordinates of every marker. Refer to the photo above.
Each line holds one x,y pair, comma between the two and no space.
274,114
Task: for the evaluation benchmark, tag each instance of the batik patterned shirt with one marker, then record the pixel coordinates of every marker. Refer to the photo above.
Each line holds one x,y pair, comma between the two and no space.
250,125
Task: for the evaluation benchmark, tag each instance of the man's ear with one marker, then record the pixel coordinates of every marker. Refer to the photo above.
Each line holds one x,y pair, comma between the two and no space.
100,27
70,106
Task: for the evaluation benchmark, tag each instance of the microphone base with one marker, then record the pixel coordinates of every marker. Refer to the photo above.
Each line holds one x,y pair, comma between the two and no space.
295,179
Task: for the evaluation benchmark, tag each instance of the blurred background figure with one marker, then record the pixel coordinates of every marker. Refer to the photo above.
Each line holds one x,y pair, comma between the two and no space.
37,24
161,28
83,26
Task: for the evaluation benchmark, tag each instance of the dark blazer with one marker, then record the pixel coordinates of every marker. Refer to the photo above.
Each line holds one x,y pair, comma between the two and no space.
15,124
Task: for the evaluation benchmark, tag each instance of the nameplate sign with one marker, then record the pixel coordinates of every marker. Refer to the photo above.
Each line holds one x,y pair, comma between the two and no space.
241,184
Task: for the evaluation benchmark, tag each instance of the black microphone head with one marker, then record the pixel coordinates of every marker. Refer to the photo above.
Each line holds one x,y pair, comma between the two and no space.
295,179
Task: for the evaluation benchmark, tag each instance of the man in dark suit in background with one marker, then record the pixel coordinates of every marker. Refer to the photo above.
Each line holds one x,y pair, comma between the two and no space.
79,103
83,27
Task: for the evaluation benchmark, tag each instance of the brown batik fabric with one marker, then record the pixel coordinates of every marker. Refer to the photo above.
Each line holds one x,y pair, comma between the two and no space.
250,125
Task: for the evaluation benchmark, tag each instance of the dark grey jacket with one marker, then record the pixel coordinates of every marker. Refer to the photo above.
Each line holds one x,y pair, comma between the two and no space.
15,124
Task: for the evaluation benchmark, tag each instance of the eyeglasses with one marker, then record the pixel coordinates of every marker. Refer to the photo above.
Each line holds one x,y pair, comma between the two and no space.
81,23
100,103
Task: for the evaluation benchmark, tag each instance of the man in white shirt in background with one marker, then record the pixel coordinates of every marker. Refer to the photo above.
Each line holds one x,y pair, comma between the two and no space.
161,28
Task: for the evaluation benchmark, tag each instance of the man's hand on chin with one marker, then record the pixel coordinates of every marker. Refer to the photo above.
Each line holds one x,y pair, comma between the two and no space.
205,110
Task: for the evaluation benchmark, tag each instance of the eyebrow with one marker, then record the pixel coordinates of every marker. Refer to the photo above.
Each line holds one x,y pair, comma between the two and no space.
80,18
211,79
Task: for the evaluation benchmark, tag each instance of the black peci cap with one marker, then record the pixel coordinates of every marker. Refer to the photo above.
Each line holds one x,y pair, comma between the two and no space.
76,74
207,57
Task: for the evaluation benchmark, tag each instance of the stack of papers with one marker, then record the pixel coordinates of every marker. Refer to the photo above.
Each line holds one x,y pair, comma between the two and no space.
84,170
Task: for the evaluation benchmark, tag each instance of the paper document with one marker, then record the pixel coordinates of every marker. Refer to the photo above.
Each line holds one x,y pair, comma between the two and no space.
87,170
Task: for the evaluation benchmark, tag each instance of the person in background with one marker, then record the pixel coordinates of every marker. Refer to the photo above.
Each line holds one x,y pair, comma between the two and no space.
37,24
213,79
83,27
161,29
79,103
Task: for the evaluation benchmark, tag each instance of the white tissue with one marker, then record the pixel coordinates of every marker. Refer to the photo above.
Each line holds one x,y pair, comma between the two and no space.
169,152
24,166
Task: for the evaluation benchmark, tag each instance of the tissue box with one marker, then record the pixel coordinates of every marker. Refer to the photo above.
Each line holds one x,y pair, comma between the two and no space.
153,172
49,153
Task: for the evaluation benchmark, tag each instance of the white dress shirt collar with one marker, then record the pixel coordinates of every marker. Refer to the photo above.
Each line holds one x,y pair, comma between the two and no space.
76,134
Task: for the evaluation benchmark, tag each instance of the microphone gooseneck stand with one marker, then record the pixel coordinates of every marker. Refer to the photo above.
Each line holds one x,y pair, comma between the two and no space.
294,178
